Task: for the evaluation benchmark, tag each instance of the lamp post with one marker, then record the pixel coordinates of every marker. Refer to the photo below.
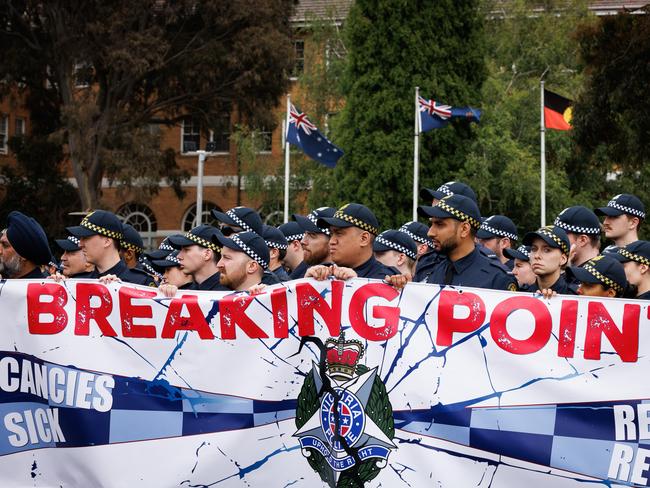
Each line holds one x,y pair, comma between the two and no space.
209,150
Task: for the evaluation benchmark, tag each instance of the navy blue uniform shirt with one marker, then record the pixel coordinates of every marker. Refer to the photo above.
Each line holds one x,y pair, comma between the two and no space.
35,274
475,269
281,274
121,270
299,272
374,269
210,284
561,286
425,265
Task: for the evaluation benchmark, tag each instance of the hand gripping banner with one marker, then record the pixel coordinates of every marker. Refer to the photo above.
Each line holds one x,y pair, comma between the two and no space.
340,384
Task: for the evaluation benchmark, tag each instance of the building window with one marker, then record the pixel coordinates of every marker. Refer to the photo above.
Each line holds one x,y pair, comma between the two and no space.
20,127
189,219
4,133
190,135
299,58
263,140
220,134
142,219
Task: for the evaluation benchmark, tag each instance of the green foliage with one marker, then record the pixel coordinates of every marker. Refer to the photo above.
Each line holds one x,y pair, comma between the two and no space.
36,186
391,49
612,114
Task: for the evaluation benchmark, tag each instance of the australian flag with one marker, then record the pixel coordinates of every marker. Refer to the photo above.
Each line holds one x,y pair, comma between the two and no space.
305,135
434,115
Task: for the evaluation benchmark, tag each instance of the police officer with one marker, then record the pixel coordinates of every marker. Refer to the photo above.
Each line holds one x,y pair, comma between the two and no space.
455,219
316,238
636,262
99,234
277,244
521,270
23,248
294,257
131,245
549,254
239,219
73,259
244,257
396,249
602,276
418,232
427,262
624,214
198,257
353,229
498,233
583,229
172,274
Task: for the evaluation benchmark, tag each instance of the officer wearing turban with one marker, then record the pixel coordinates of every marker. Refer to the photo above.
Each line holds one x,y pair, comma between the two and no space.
23,248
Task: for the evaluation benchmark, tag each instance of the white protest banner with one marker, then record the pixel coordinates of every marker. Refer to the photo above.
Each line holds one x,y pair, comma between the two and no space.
320,384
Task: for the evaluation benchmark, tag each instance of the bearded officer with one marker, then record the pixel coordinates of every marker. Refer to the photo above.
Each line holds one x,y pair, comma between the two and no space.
23,248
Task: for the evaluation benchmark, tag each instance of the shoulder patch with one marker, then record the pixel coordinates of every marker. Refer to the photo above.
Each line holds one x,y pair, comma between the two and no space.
512,287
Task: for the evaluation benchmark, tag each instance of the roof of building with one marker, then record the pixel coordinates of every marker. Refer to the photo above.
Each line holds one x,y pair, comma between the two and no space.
305,10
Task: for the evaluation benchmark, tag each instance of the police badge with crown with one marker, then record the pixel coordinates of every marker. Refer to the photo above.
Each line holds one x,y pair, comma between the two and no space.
344,419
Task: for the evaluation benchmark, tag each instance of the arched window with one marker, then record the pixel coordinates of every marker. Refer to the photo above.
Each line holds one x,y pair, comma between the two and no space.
189,219
142,219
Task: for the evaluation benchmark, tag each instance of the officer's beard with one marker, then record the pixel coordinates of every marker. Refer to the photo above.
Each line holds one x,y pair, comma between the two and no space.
9,268
448,246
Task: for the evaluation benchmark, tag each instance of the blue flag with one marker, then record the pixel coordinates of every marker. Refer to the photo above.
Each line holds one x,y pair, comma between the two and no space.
305,135
434,115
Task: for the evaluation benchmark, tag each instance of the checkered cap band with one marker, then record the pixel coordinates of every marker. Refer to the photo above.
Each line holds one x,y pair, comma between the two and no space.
74,240
132,247
295,237
545,232
230,213
100,230
173,259
498,232
150,269
634,257
355,221
627,210
445,189
276,245
602,278
250,252
575,229
314,220
462,216
202,242
415,237
166,247
397,247
524,251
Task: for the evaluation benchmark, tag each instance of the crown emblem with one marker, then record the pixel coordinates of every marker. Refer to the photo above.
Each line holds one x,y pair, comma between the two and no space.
343,356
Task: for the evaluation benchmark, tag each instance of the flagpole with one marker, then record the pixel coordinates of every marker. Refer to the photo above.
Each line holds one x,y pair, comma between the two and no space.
416,155
542,131
286,162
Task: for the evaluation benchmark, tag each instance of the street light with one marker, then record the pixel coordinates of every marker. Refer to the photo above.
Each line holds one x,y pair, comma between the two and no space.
189,147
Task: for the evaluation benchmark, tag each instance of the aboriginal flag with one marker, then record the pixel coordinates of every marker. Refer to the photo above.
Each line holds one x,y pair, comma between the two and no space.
557,111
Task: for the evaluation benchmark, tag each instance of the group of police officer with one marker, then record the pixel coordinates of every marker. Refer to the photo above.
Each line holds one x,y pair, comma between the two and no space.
457,247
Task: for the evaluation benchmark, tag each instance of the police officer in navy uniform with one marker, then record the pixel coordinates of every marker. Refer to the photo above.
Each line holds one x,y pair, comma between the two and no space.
549,255
23,248
602,276
73,260
427,262
636,262
277,244
99,234
294,257
353,229
498,233
199,255
522,269
624,214
455,219
172,274
418,232
244,259
396,249
315,239
583,229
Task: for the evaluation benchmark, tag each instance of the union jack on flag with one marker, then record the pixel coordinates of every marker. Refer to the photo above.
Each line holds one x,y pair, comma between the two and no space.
305,135
434,115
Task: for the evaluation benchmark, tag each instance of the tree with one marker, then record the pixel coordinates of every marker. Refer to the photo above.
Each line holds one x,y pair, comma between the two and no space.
393,47
612,113
106,70
36,185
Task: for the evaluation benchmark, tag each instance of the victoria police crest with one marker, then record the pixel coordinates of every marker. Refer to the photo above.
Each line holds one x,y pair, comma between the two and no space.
344,417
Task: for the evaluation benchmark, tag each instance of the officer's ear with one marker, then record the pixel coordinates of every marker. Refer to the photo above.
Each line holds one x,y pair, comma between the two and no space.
634,222
465,229
365,238
643,268
564,260
611,292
